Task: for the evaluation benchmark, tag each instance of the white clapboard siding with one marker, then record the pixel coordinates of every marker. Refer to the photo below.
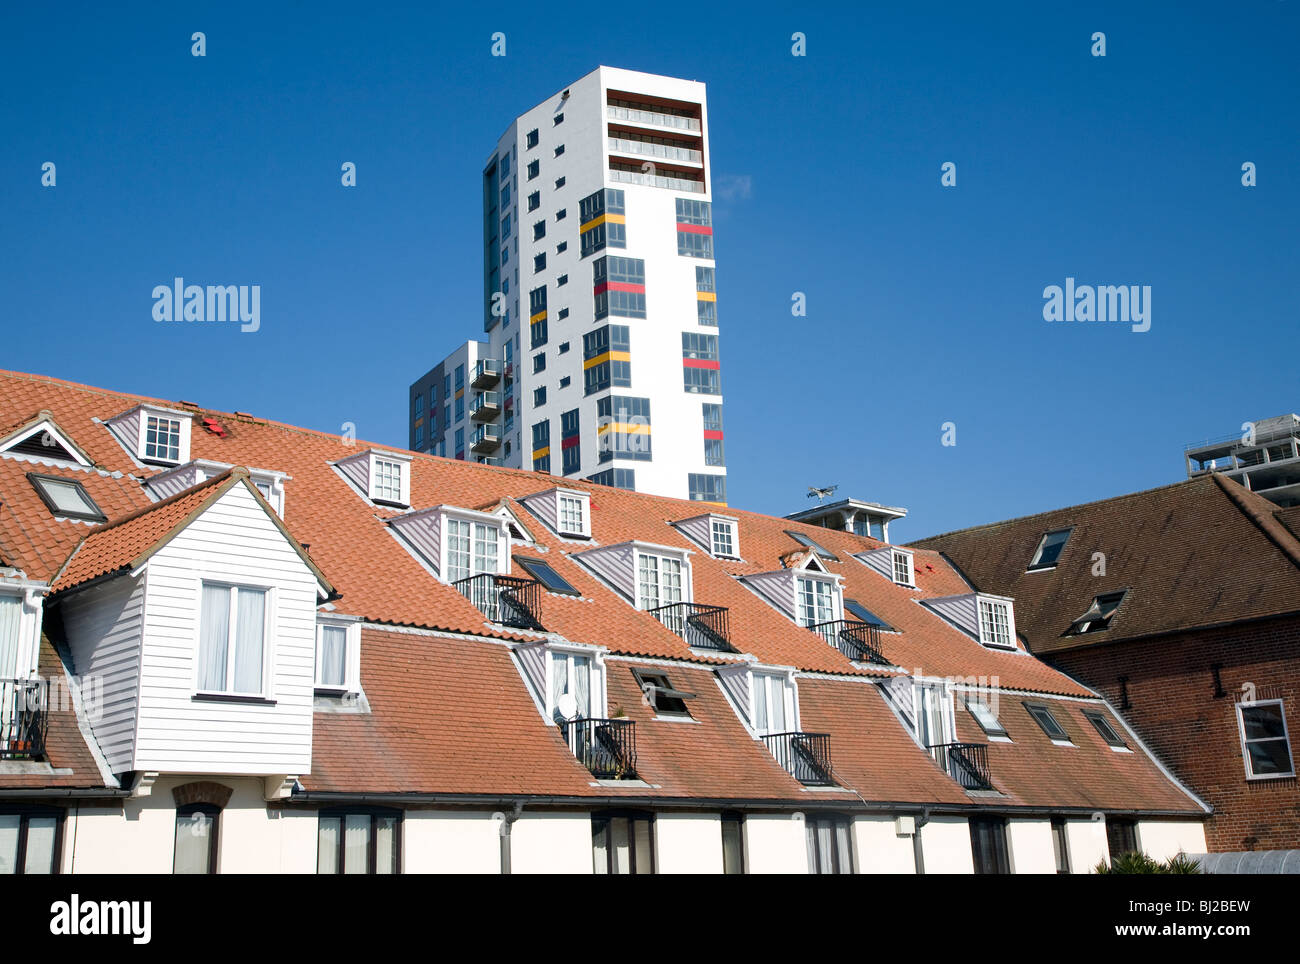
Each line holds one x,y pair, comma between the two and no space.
959,610
699,530
881,560
545,505
615,564
103,626
235,542
776,587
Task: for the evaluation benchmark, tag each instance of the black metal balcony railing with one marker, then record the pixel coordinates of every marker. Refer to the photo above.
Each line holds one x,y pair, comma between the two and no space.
508,600
24,716
705,627
854,638
805,756
967,763
605,747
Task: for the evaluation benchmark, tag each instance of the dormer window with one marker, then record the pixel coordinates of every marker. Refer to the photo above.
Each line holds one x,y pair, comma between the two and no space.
1049,549
43,441
774,703
384,477
472,548
197,471
573,517
1098,615
818,601
153,434
386,483
338,654
66,497
724,538
659,580
719,535
997,628
902,563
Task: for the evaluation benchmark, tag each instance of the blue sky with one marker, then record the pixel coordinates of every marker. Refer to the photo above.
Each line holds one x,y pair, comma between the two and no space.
924,302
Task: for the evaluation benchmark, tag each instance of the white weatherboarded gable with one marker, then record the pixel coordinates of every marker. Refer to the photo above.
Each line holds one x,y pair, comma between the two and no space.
234,542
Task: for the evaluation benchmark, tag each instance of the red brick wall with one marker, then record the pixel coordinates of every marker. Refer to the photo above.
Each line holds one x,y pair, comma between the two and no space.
1173,708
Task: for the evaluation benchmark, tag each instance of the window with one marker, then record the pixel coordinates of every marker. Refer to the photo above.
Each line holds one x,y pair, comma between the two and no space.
694,245
559,183
712,417
1049,549
546,575
622,845
539,230
660,694
1265,741
706,313
830,849
30,841
539,362
559,150
534,200
539,396
472,548
1044,718
561,214
65,497
336,656
534,168
1103,727
232,635
559,119
724,537
986,718
902,562
419,405
1061,845
530,140
542,446
704,280
995,623
561,281
701,346
659,581
197,825
861,612
162,438
618,286
707,488
773,704
607,354
505,164
572,512
539,262
615,478
816,602
733,843
505,226
623,428
808,543
701,381
460,443
1121,836
1099,614
460,407
564,313
694,228
387,485
358,842
713,452
988,843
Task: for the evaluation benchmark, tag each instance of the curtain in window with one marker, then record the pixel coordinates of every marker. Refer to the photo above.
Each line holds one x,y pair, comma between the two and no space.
10,825
641,841
356,843
582,684
385,845
327,852
40,845
11,615
843,855
619,845
193,842
214,637
333,655
249,633
559,682
600,846
760,704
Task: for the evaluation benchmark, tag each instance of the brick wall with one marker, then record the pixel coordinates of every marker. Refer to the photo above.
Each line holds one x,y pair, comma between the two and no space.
1172,705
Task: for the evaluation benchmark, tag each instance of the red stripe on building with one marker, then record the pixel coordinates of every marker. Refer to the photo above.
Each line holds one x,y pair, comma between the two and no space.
711,433
701,363
617,286
571,442
694,228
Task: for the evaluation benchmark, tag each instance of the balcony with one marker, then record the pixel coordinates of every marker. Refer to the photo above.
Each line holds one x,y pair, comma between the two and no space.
605,747
624,145
857,640
488,460
485,407
967,763
656,180
486,438
486,373
652,118
508,600
24,716
805,756
703,627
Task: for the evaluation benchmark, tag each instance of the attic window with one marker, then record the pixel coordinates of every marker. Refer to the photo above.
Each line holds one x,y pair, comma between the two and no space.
1049,549
1044,718
66,498
546,575
996,625
572,518
1102,726
661,696
1099,614
986,718
162,438
866,615
724,537
803,540
44,442
386,483
902,564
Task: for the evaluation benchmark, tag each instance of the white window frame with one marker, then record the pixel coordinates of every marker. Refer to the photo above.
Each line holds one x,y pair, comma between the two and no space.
184,422
733,528
30,617
995,602
403,464
584,512
352,654
269,623
902,555
1245,755
597,695
45,427
836,600
790,699
487,520
681,560
947,722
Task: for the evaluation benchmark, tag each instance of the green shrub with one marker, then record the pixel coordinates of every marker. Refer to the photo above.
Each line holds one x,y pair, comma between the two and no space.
1139,863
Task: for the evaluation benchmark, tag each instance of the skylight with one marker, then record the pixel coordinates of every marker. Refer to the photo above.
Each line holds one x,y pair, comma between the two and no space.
866,615
665,700
1099,614
547,576
1102,726
986,718
65,497
1044,718
1049,549
803,540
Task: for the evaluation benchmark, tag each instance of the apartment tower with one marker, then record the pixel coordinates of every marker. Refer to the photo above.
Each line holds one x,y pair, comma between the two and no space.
599,358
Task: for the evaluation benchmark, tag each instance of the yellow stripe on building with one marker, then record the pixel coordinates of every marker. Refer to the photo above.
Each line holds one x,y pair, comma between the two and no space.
595,222
622,428
706,296
608,356
541,453
540,316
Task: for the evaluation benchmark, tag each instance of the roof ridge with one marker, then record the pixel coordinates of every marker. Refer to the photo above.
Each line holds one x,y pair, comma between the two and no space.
163,503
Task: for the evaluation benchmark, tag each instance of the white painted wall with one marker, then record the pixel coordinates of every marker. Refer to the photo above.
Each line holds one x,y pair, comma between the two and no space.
880,850
775,844
1087,842
551,843
1030,847
236,542
945,844
688,843
1163,839
449,841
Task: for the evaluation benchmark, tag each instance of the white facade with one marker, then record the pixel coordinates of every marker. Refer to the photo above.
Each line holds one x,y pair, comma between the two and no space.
599,136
